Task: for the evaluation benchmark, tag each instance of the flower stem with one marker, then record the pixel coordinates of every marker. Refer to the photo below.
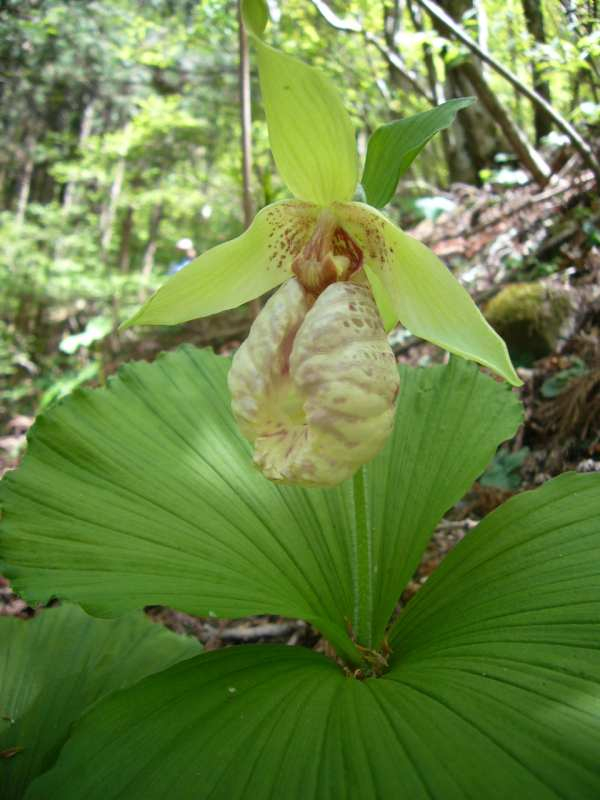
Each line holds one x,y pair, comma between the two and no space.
363,565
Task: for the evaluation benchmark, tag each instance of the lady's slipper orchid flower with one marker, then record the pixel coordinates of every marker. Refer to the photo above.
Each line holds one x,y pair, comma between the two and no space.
315,383
336,256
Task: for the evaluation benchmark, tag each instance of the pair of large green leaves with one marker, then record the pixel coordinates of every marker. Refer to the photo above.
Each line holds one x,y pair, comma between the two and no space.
143,493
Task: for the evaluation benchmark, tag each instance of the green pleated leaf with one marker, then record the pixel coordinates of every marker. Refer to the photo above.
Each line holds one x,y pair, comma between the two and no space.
247,722
530,572
393,148
143,493
502,642
52,668
493,691
449,422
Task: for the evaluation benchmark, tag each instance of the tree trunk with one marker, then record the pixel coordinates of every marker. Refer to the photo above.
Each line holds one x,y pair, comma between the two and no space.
26,176
392,23
474,138
107,217
534,21
125,246
527,155
85,130
450,26
152,244
435,86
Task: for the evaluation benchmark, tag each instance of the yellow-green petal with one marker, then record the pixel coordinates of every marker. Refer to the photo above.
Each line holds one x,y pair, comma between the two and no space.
425,296
382,299
234,272
311,134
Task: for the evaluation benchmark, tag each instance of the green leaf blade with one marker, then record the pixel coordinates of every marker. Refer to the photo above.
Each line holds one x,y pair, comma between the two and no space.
52,668
452,718
393,148
449,422
505,636
144,493
255,14
545,544
267,689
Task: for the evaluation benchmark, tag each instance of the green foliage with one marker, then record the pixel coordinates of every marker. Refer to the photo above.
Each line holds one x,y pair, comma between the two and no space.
456,699
120,107
255,14
56,287
505,470
124,110
491,690
120,123
59,664
394,146
278,563
557,383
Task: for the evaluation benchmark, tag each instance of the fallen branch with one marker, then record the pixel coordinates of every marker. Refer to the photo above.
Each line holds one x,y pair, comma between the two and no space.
265,630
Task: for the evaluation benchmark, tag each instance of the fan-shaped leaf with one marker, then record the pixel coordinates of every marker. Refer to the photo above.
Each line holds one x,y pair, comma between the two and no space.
55,666
450,419
493,691
143,493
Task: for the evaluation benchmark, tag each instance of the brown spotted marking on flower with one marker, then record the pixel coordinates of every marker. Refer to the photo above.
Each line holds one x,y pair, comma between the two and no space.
368,232
330,255
291,229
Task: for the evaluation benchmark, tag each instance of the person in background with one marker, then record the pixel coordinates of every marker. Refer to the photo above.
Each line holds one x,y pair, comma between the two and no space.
186,246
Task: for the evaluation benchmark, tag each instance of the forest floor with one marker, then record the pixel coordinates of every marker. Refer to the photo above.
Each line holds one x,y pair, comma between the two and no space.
494,237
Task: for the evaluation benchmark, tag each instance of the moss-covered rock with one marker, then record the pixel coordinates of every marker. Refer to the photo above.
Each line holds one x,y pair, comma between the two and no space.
530,317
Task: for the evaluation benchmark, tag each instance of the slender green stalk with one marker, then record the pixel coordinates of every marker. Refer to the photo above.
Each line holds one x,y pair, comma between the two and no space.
362,565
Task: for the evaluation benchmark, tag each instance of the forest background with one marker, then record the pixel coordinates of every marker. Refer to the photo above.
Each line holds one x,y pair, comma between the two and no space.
124,131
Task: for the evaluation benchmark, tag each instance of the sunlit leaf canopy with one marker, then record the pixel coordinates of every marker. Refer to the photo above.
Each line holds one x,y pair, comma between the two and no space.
312,140
143,493
54,667
493,690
